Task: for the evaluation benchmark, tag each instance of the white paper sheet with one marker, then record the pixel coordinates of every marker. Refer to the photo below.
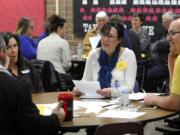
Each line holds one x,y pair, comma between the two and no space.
121,114
137,96
89,88
94,41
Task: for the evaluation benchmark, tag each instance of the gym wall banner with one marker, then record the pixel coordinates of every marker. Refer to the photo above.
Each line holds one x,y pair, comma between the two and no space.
85,10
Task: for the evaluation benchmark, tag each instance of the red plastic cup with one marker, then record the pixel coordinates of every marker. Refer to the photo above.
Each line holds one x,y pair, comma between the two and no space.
67,99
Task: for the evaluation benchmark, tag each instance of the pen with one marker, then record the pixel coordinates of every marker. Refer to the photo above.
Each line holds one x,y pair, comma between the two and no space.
107,105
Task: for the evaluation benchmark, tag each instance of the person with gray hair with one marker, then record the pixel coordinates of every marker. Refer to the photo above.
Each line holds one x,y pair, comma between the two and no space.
167,18
157,69
3,59
101,19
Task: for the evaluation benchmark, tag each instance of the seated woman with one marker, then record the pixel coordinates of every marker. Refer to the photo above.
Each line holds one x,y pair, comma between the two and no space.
24,31
18,66
111,62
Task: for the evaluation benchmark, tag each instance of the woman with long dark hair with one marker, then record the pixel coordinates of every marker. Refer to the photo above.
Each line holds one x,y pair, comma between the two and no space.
19,66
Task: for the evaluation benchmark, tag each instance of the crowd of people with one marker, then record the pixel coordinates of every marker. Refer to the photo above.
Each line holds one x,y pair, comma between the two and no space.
115,58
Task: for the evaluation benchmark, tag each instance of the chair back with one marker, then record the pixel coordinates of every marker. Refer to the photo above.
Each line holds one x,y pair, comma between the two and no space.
47,73
120,129
141,72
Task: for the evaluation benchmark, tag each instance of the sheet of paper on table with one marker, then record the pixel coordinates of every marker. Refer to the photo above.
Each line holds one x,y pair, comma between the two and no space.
121,114
89,88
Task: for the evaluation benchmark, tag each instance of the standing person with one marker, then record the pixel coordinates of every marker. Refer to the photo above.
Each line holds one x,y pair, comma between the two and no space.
111,62
20,67
18,114
24,31
55,48
101,19
137,22
171,102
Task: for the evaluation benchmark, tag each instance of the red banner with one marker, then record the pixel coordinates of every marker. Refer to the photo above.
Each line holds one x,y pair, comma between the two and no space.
12,10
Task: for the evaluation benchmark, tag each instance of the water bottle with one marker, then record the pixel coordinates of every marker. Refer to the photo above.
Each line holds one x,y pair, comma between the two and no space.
115,89
124,98
79,50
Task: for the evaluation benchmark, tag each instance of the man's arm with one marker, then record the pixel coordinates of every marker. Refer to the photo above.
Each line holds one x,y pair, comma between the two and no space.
171,102
171,62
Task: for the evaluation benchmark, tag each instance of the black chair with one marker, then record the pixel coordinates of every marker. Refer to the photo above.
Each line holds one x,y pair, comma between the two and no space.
172,126
141,73
167,130
46,72
120,128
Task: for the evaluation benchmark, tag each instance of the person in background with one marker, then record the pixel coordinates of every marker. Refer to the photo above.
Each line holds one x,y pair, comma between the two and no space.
24,31
55,48
111,62
18,66
171,102
131,40
167,18
137,22
101,19
18,114
157,67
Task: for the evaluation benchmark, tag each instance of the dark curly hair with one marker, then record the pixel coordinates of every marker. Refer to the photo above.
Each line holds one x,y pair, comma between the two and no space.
54,22
117,25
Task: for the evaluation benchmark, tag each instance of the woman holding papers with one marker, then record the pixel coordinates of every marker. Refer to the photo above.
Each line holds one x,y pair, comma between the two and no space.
111,62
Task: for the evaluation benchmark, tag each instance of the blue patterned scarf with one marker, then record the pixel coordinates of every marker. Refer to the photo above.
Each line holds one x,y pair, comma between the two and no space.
107,65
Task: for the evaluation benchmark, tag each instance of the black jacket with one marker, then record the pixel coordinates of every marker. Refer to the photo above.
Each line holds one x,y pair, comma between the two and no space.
159,52
18,114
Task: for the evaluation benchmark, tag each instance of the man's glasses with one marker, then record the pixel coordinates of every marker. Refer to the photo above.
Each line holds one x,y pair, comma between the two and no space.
172,33
109,36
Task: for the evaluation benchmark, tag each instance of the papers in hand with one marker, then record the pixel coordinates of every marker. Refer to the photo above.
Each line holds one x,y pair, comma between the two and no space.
89,88
94,41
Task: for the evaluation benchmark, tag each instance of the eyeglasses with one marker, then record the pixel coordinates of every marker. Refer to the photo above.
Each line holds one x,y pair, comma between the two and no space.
107,36
172,33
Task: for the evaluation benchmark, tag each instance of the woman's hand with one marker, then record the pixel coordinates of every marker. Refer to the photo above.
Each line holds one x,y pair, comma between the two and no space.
106,92
77,92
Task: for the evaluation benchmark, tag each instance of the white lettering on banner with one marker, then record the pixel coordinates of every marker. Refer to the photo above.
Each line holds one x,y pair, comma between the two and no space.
154,2
148,2
95,2
178,2
118,2
150,30
174,2
160,2
167,2
111,2
84,2
124,2
87,27
135,2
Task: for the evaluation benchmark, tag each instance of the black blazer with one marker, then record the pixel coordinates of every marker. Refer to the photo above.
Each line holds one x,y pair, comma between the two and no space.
18,114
